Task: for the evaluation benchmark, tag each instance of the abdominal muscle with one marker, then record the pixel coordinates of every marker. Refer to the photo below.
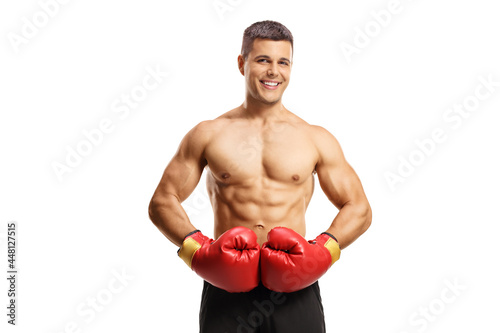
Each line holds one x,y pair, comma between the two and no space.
260,205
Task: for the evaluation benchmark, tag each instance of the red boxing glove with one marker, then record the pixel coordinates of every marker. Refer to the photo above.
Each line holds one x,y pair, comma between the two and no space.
230,263
289,263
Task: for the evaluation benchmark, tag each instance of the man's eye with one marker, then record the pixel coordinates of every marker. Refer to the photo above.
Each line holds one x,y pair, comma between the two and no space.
262,60
284,63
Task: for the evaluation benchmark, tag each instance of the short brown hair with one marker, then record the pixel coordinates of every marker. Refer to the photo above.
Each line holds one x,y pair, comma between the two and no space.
266,30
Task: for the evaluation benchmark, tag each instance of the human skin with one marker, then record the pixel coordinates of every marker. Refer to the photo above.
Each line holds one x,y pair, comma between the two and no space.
260,162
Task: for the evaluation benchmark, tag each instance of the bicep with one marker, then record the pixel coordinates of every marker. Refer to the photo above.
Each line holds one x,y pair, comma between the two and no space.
337,178
182,174
180,178
340,184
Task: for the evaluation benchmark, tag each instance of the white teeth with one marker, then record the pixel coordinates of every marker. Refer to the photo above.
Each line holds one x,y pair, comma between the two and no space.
273,84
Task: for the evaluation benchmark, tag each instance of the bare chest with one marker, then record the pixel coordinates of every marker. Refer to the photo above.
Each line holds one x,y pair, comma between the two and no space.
241,155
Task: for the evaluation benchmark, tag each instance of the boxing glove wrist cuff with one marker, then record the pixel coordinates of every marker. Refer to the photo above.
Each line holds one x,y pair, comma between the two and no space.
329,234
191,233
332,246
189,247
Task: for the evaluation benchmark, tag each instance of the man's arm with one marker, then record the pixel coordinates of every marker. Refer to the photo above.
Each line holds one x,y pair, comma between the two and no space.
178,181
232,261
343,188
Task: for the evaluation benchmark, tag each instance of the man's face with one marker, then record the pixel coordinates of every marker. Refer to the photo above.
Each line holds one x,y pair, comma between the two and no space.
267,70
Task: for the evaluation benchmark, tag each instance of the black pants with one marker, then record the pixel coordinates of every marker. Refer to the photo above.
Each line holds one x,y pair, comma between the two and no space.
261,311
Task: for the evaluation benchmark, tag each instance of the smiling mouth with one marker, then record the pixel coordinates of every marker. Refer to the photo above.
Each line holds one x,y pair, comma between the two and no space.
270,84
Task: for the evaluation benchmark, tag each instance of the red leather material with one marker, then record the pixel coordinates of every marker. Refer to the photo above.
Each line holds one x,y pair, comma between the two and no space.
231,262
289,262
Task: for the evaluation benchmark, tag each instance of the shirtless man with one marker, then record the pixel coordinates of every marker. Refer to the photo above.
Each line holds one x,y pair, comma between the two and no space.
261,160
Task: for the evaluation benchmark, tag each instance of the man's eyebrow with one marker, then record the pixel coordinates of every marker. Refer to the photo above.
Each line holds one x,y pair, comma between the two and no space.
268,57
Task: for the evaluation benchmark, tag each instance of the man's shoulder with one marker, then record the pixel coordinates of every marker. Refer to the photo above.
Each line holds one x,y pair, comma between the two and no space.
319,131
325,142
206,130
315,130
216,123
209,126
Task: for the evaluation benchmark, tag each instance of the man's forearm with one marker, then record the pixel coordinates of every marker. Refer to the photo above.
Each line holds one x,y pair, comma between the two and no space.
350,223
170,218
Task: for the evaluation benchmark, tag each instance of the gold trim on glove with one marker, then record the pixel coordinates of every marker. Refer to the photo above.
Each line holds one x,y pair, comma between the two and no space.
188,249
333,247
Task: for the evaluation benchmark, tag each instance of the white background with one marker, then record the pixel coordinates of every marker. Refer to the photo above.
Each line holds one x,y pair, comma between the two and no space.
440,224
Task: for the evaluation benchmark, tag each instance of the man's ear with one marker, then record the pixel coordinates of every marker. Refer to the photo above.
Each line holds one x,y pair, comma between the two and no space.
241,64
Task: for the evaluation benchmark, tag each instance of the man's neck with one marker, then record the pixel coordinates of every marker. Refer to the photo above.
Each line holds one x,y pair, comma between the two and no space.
258,110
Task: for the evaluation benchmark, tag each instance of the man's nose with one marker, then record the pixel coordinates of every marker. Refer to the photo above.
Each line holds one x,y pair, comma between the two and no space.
273,69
